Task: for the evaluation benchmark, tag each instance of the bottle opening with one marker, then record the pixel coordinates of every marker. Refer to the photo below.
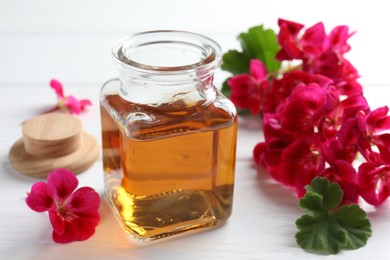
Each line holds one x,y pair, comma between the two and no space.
165,54
168,52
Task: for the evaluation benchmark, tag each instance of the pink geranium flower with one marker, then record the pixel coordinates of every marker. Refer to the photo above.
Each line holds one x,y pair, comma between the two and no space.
282,88
68,103
73,214
292,164
369,133
305,106
374,183
288,39
247,91
344,174
378,127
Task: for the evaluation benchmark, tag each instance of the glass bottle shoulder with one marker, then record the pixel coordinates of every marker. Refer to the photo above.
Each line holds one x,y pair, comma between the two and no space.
141,121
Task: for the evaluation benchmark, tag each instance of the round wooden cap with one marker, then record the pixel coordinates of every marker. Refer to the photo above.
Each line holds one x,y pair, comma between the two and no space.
52,135
51,141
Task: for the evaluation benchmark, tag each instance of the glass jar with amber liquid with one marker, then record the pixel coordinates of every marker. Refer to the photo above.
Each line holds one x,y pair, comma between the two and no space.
168,136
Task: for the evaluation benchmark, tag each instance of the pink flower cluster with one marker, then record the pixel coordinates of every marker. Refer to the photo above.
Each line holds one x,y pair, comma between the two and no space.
315,118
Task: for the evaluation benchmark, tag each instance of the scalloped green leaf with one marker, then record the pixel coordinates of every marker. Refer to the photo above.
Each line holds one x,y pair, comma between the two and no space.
256,43
261,44
331,192
312,204
320,234
354,220
235,62
325,228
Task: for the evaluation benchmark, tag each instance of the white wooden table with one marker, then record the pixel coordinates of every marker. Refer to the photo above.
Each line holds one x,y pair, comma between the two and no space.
71,41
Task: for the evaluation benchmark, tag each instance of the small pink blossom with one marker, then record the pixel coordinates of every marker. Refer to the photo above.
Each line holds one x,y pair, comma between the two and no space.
344,174
338,39
288,39
305,106
68,103
330,124
282,88
374,183
247,91
313,41
369,132
294,164
73,214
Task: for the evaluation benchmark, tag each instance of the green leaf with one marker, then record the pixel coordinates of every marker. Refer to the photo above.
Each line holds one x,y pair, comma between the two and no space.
332,194
320,234
257,43
324,227
235,62
261,44
354,220
312,204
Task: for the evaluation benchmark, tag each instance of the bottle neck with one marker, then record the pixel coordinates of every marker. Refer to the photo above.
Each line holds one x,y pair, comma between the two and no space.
161,67
154,93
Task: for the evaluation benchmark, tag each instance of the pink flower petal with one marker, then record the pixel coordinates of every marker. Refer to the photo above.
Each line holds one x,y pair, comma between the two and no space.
304,107
313,39
84,103
288,44
40,197
349,134
293,27
57,86
83,201
258,70
64,183
240,85
259,149
352,105
73,104
78,229
70,233
282,55
246,92
382,125
383,144
345,171
86,226
378,120
57,221
374,183
338,39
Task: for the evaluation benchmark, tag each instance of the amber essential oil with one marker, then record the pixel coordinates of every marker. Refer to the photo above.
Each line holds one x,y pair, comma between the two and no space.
170,168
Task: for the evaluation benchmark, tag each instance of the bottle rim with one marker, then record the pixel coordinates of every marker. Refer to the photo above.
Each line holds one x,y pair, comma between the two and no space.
203,55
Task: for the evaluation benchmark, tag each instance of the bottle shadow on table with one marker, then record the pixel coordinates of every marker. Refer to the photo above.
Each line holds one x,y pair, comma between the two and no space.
283,196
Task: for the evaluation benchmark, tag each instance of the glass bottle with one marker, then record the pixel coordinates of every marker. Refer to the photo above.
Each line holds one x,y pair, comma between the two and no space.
168,136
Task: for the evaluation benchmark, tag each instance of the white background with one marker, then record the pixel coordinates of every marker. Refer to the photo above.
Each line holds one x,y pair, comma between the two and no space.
71,41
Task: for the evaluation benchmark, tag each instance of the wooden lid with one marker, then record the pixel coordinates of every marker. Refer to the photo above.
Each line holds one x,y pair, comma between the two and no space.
52,135
52,141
